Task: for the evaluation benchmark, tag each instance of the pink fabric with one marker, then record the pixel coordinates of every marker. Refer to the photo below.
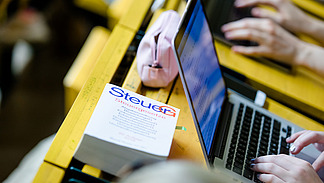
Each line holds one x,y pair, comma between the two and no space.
156,63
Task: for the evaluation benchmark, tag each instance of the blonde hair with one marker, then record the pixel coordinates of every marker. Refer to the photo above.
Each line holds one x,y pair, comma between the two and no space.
174,172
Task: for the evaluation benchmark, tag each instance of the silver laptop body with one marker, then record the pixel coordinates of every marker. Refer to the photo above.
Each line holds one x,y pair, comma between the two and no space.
231,129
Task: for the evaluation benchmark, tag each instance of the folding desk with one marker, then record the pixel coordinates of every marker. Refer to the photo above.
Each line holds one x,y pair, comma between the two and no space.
68,136
61,152
185,144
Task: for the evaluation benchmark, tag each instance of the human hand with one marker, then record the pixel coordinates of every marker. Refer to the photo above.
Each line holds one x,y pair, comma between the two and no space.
304,138
284,168
274,42
286,14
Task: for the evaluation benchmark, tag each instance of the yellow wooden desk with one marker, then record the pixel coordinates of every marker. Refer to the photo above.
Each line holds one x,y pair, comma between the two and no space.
185,144
49,173
83,64
311,6
99,7
302,90
68,136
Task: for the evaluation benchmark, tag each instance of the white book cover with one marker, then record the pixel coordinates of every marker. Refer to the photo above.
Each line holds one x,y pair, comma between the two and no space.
131,120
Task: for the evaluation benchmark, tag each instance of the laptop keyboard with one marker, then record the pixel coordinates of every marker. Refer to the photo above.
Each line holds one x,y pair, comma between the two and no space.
255,134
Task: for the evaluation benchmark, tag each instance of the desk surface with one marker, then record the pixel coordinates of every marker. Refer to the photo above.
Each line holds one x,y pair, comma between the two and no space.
302,90
185,144
69,134
311,6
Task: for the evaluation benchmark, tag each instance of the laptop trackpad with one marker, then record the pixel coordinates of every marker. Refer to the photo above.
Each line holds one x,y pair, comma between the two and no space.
310,153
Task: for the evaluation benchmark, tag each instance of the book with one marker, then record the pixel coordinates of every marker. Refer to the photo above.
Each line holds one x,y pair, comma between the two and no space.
126,127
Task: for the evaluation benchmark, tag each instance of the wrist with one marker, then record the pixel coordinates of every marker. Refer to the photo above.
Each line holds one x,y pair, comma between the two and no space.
312,26
303,51
310,56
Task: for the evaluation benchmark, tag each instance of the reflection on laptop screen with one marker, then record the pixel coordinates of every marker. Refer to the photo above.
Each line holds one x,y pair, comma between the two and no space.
202,74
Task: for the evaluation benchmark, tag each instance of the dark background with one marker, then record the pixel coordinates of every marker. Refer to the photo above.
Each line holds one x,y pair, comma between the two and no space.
32,107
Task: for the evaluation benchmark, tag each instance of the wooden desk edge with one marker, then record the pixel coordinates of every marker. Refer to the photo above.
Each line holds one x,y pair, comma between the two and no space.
49,173
64,144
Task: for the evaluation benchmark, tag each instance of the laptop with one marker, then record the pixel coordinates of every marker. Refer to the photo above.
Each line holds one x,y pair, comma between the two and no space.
220,12
232,130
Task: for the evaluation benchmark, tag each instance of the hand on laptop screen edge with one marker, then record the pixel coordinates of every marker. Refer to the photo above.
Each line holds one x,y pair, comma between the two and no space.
269,31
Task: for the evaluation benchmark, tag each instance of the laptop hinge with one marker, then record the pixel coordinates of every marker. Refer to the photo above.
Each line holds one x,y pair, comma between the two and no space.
222,131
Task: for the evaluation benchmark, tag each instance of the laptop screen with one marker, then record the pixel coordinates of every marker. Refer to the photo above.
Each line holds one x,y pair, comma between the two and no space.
202,74
220,12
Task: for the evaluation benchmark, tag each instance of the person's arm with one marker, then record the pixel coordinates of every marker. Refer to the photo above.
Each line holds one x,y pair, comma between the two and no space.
311,57
315,29
288,16
284,168
274,42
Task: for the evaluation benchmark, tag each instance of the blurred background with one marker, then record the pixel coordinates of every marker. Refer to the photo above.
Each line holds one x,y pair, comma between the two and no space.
39,41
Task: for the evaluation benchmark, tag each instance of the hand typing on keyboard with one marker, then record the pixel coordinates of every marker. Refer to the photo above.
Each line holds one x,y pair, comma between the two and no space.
284,168
304,138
